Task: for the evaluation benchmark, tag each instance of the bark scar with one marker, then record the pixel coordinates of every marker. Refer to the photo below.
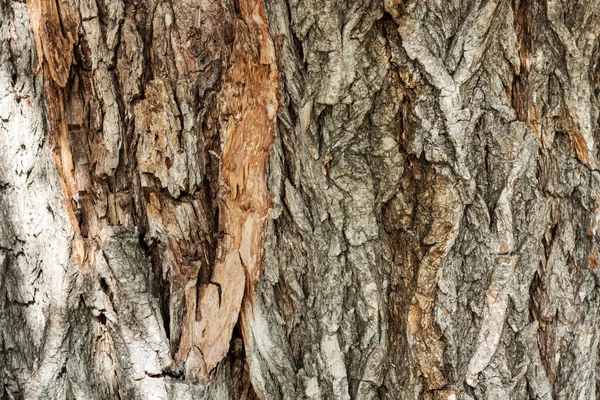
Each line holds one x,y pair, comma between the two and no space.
52,46
249,102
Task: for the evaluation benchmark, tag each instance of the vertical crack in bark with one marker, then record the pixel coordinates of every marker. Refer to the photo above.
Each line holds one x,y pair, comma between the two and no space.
521,92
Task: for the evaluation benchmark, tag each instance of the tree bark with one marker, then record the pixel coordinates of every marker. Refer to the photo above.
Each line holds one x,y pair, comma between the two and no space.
299,199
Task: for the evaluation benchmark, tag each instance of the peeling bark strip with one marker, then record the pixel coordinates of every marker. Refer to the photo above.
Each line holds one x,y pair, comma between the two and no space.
55,56
249,102
54,45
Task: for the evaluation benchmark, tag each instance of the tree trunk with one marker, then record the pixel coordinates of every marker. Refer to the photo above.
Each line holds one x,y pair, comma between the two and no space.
299,199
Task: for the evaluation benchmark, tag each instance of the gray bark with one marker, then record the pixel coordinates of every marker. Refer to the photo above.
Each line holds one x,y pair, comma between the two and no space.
299,199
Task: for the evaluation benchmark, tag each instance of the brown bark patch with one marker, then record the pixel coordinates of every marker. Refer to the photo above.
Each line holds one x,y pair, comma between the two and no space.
593,259
420,246
580,145
249,103
54,46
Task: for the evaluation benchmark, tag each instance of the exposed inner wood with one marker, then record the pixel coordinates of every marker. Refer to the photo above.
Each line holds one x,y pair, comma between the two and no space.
249,103
89,134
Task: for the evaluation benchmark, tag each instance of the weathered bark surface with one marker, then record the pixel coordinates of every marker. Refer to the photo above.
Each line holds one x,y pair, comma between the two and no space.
288,199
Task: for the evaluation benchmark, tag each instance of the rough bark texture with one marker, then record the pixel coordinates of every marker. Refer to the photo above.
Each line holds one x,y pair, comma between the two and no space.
299,199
